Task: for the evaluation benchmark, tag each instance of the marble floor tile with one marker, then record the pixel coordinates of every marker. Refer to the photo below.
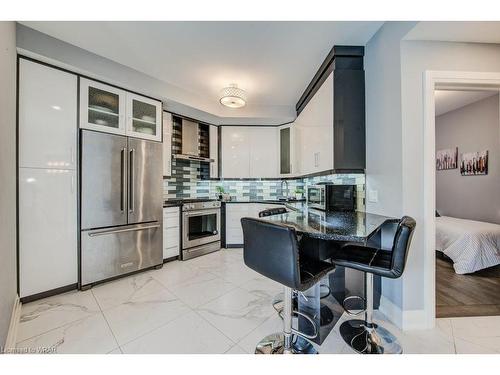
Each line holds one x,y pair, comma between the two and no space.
46,314
210,304
236,349
188,334
237,313
476,327
198,292
126,290
333,344
130,320
177,273
262,284
236,273
486,345
271,325
87,335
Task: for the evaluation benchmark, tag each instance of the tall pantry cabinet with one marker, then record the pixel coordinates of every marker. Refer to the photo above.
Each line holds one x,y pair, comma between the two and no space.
47,179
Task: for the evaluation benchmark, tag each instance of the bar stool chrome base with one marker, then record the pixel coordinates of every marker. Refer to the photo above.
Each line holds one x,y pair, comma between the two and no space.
364,340
275,344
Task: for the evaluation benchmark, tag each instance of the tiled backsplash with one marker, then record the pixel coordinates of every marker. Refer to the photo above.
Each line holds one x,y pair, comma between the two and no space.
189,180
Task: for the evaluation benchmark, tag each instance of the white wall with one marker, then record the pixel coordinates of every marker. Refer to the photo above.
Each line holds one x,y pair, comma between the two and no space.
416,58
8,277
384,132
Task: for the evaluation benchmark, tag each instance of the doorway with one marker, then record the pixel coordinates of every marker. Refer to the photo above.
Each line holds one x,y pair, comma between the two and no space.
458,81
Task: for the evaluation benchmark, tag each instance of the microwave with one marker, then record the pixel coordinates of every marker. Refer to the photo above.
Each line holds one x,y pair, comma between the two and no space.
330,197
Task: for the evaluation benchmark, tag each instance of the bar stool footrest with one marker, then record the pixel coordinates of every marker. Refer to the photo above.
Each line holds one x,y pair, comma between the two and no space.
351,312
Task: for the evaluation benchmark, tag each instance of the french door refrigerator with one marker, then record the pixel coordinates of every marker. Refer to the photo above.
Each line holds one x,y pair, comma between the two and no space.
121,206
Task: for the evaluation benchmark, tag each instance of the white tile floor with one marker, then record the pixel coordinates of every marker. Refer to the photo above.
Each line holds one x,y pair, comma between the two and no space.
211,304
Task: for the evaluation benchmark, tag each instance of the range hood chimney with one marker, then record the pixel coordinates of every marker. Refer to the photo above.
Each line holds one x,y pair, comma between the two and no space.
191,142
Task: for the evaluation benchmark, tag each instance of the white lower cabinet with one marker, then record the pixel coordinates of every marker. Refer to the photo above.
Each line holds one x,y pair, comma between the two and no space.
171,232
47,230
235,212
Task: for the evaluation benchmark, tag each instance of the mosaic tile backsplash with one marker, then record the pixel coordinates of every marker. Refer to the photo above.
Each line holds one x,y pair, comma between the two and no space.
190,180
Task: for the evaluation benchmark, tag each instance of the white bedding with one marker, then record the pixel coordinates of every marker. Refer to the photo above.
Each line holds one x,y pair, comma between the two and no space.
472,245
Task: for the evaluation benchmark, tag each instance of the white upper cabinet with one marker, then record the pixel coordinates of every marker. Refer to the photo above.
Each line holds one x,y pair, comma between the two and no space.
314,131
249,152
214,151
47,117
144,117
167,144
109,109
263,152
102,107
235,152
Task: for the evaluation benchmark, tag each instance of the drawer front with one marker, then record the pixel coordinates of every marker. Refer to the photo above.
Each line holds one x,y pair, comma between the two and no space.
171,222
171,237
119,251
170,252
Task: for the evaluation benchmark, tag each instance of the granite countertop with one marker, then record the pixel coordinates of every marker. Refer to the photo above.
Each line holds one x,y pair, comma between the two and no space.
172,203
338,226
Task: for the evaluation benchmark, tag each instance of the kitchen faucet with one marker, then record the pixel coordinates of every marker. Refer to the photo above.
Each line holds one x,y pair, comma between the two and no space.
283,194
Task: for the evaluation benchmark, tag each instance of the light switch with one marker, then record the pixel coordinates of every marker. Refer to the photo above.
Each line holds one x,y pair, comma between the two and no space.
373,196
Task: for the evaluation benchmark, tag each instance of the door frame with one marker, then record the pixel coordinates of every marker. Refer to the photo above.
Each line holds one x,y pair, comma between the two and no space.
458,80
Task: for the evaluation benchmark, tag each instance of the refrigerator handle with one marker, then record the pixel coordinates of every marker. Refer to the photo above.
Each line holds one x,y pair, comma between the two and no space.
131,193
123,200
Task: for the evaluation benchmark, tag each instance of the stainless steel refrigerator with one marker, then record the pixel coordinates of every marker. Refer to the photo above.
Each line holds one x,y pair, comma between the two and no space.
121,205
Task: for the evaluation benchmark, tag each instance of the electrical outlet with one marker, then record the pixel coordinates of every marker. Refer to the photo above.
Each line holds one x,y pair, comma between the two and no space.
373,196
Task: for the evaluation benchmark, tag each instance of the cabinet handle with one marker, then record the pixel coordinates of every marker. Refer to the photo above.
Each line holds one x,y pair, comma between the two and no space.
72,151
72,184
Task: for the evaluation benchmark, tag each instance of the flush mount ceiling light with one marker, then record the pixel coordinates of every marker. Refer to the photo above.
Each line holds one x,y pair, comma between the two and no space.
233,97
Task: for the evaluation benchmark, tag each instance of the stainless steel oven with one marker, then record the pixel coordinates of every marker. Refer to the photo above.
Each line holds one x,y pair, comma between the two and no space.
201,226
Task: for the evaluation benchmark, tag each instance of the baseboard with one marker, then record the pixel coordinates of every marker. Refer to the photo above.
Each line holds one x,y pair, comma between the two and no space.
392,312
407,320
10,343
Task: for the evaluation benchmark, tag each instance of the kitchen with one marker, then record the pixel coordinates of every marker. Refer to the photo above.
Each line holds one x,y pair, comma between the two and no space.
107,176
210,218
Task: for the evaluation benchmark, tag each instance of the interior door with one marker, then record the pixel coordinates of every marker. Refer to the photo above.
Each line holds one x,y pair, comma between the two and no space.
104,180
145,195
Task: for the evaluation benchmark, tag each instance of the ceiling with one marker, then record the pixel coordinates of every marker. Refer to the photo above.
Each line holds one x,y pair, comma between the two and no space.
272,61
449,100
456,31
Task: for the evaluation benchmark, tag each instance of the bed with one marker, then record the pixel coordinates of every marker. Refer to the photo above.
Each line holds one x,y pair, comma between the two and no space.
472,245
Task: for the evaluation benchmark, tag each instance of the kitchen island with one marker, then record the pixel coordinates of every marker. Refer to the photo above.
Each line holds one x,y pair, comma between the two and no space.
322,233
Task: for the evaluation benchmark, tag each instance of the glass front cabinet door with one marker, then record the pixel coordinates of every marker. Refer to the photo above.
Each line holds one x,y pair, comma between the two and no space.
144,117
102,107
286,150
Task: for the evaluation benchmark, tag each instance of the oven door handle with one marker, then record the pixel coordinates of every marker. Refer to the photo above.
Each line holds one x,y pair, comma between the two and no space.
201,212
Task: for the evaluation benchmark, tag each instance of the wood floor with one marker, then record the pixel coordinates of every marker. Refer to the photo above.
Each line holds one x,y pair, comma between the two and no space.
477,294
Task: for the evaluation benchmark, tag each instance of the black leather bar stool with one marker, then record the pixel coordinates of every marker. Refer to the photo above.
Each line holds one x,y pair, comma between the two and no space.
273,251
364,336
325,290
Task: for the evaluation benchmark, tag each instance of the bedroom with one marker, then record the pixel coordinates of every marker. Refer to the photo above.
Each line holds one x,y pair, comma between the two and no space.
467,203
